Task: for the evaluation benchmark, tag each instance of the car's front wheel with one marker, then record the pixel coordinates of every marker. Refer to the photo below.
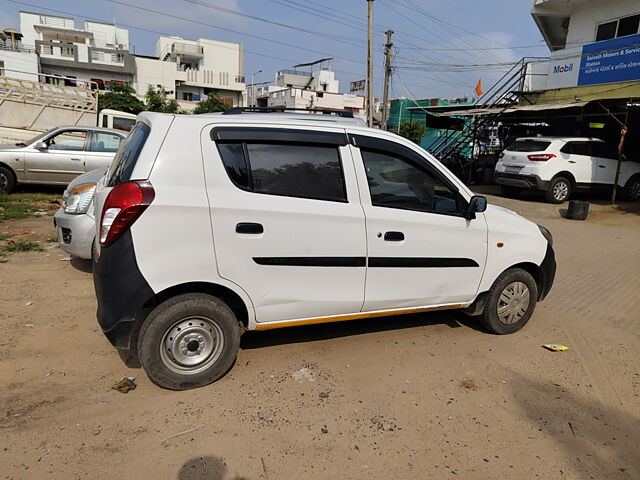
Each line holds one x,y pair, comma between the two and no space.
559,190
510,302
188,341
7,180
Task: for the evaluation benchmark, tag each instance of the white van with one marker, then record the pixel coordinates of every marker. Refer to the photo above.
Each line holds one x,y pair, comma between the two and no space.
115,119
209,225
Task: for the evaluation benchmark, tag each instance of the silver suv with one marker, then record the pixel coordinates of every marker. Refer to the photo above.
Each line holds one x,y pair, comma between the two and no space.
58,156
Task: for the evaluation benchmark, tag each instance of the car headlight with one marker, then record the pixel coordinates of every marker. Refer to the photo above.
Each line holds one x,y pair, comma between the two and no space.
546,234
79,198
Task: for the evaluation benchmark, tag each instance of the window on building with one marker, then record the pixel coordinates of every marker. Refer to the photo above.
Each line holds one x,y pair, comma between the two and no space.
293,170
396,182
187,96
618,28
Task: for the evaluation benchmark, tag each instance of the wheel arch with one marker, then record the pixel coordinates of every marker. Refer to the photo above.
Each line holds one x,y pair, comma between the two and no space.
11,170
568,175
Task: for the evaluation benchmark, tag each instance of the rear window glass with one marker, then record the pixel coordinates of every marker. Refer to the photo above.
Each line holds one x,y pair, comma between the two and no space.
528,146
126,158
294,170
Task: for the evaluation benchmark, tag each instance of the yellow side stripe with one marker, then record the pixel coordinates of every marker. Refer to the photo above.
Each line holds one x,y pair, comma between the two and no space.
354,316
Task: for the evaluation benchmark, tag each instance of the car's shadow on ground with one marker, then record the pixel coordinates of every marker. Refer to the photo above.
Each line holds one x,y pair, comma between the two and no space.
310,333
81,264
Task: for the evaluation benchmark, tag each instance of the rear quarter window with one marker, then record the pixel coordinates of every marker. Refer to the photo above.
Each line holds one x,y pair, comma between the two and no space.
125,160
528,146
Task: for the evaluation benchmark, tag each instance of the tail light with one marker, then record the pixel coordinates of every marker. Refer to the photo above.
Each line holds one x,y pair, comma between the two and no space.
541,157
500,155
124,204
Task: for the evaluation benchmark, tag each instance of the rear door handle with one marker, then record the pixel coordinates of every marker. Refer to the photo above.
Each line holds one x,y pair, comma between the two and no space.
251,228
76,159
602,166
394,236
572,161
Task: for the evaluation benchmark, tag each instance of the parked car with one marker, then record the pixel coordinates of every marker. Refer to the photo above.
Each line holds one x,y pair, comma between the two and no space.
560,166
58,156
213,224
74,220
108,118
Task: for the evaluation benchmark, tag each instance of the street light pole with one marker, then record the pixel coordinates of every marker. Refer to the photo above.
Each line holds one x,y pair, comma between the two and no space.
370,64
253,88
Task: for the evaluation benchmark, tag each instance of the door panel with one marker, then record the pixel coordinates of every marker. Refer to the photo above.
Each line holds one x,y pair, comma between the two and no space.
416,256
605,158
295,257
62,160
577,159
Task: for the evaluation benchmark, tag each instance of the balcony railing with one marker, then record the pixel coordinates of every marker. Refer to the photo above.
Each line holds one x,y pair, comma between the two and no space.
54,50
186,49
295,72
98,56
8,47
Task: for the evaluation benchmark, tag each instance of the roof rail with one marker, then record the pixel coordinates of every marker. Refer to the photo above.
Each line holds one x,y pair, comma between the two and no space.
324,111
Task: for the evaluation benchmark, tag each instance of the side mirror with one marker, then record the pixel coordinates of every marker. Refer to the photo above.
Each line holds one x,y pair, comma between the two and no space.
477,204
40,146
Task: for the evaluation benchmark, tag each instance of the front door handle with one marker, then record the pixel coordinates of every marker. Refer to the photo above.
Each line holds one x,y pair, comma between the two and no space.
602,166
76,159
251,228
572,161
394,236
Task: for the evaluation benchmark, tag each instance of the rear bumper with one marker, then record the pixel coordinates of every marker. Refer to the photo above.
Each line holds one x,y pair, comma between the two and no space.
75,233
548,268
520,181
121,291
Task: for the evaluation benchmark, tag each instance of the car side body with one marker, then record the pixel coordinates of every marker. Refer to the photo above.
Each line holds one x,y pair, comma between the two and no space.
281,249
57,156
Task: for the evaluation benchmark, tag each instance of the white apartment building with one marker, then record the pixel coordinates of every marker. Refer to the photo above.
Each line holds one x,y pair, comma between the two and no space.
300,89
592,42
16,60
95,54
188,70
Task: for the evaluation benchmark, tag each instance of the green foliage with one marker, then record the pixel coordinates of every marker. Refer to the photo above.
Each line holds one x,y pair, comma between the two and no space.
157,101
21,246
23,205
414,131
4,237
122,98
211,104
52,240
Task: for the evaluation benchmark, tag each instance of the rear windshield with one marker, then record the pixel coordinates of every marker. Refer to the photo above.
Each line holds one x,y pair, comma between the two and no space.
528,146
127,156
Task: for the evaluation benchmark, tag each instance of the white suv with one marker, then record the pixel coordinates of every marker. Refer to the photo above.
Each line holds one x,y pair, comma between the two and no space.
561,165
213,224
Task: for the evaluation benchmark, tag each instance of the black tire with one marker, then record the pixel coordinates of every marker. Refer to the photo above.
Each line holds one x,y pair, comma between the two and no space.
510,191
7,180
631,191
185,327
559,190
490,318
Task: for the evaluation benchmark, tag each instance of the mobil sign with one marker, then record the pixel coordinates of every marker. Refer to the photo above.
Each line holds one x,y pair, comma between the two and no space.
609,61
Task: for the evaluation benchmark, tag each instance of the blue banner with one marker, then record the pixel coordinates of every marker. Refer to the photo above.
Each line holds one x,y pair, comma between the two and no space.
610,61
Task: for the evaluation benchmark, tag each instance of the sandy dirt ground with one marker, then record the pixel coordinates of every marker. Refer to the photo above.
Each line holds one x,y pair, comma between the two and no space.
421,396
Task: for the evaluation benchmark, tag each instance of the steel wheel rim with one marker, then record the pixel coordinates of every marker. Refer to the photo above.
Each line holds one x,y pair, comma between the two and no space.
560,191
191,345
513,303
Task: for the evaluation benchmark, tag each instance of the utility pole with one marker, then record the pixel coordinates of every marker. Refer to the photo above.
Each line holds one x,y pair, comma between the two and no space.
387,77
370,65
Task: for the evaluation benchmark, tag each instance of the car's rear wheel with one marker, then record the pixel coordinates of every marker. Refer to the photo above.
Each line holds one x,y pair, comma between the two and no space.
7,180
631,190
188,341
559,190
510,191
510,302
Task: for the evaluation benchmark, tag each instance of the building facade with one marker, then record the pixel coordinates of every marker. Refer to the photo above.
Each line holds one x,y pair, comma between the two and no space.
302,90
188,70
94,55
16,59
594,44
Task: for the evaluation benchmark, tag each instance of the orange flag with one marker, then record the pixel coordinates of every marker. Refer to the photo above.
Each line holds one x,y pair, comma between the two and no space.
479,90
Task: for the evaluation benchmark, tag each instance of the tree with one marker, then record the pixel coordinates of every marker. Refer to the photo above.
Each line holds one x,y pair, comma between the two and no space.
414,131
120,97
211,104
157,101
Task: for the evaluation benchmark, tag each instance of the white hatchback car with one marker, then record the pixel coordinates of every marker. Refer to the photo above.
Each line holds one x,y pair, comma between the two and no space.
212,224
559,166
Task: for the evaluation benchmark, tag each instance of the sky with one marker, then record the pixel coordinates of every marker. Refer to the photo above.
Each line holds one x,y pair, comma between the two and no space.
278,34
